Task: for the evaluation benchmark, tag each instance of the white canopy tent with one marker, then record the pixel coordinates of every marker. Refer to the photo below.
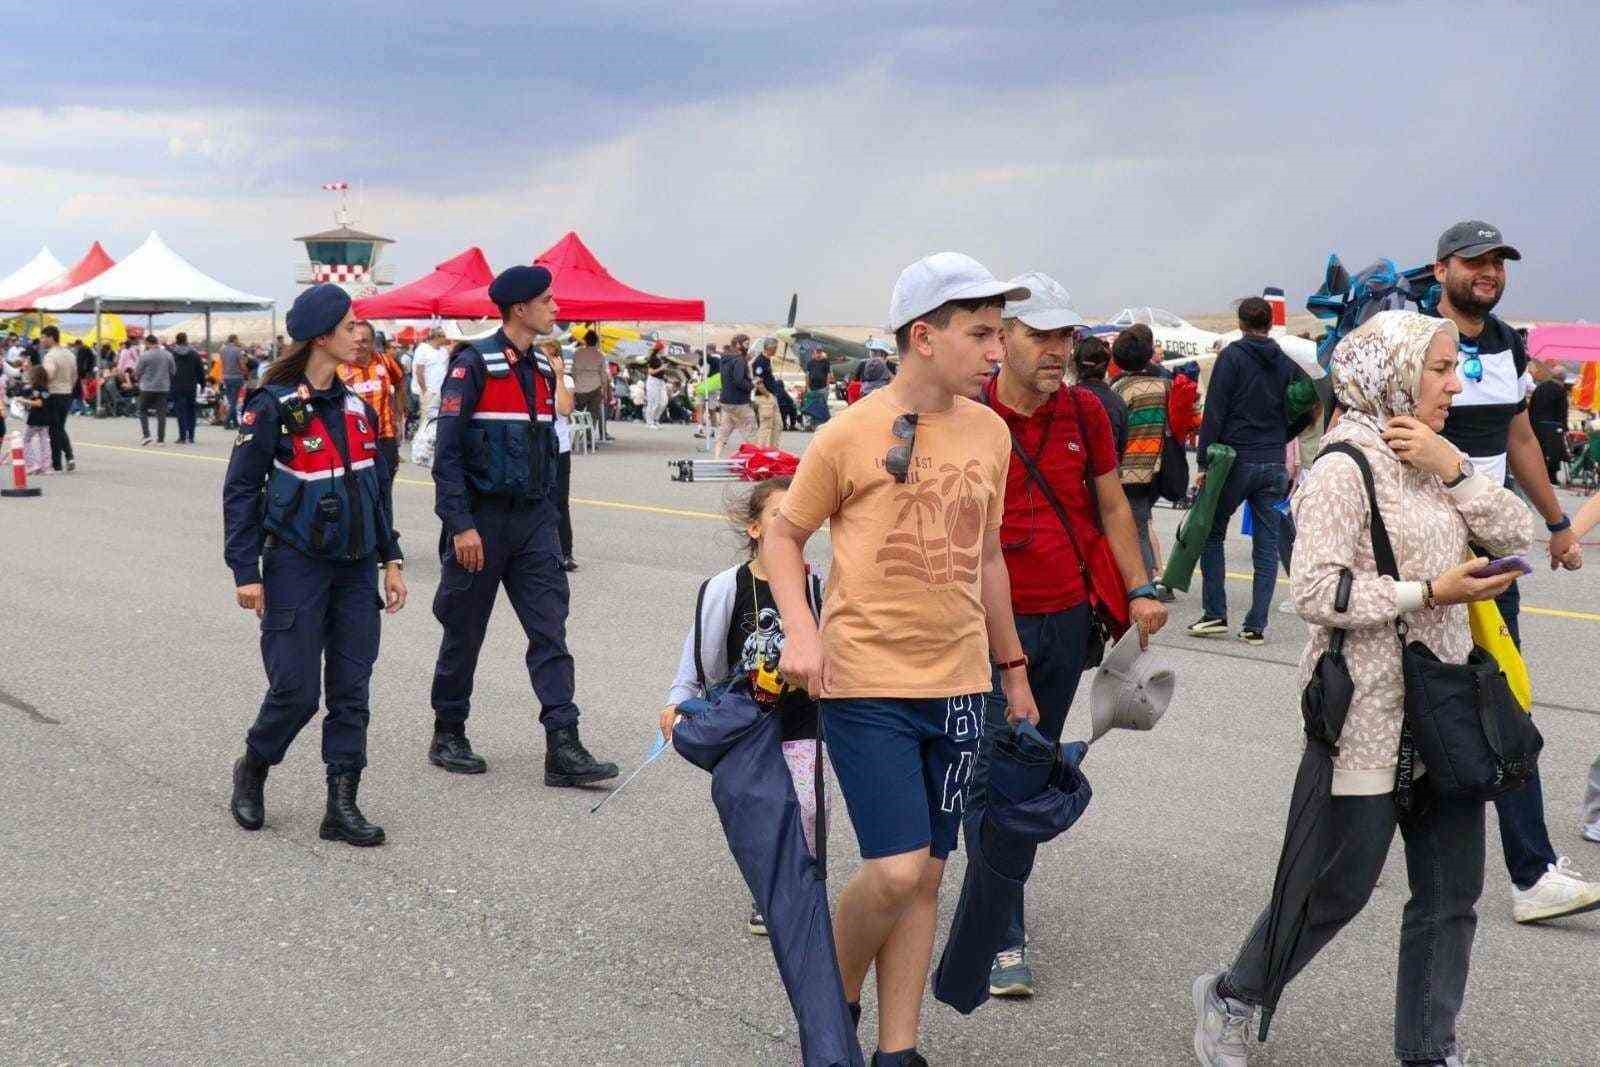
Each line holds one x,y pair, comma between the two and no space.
155,280
40,269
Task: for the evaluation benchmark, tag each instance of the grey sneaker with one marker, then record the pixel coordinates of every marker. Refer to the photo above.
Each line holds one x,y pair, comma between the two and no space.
1010,976
1222,1027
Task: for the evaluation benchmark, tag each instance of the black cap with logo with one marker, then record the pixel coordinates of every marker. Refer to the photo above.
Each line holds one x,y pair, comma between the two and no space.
1472,238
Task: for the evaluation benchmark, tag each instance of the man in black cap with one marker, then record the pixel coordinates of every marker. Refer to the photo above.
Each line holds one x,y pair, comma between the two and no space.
1489,423
494,474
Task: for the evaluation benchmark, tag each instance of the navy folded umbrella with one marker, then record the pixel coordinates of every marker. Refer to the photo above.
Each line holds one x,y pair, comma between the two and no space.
1035,792
740,744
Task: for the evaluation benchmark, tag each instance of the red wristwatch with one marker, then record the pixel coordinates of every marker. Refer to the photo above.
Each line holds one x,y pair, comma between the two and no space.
1013,664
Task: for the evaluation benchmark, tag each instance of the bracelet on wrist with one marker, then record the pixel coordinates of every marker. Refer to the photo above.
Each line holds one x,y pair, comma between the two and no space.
1013,664
1427,594
1560,526
1148,589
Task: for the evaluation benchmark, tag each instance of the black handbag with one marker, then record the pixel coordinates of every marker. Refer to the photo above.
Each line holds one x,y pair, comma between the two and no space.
1460,719
1325,701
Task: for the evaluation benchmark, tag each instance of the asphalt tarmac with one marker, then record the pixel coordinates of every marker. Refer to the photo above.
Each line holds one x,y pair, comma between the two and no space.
504,923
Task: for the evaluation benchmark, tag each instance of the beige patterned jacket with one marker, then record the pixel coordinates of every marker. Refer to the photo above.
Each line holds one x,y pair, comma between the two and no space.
1429,527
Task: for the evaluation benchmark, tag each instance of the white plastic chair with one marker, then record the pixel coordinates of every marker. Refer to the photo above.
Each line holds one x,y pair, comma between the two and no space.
583,430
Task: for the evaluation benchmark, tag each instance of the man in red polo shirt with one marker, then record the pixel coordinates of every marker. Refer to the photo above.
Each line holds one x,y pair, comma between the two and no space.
1067,436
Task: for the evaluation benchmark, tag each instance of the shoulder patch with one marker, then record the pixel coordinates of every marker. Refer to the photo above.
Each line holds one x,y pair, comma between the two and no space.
248,418
450,405
458,372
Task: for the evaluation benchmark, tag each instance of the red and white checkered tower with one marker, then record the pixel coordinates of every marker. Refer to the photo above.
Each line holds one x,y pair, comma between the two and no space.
344,255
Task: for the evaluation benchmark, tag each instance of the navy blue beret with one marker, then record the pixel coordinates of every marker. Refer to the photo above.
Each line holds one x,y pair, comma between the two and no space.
316,311
518,284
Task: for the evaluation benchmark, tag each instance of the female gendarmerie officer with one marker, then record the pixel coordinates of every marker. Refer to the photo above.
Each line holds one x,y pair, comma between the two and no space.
306,508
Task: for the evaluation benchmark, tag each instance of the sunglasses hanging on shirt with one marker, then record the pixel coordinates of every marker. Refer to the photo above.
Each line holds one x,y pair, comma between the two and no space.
897,461
1471,362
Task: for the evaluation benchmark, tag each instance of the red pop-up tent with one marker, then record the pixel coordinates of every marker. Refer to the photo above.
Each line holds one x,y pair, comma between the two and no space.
585,291
94,263
427,297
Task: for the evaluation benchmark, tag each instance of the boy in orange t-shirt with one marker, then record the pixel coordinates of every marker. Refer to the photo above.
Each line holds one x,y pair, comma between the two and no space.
911,481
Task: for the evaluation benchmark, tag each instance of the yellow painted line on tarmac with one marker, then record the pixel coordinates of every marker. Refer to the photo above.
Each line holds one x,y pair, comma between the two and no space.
685,513
165,451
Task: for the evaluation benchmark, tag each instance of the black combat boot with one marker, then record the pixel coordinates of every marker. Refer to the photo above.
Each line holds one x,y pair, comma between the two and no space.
344,821
567,762
249,805
452,751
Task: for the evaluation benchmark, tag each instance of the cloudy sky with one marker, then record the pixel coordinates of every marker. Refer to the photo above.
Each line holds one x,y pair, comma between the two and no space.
742,150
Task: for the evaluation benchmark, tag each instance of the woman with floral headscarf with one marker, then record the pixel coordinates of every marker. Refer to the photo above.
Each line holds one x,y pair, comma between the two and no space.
1394,379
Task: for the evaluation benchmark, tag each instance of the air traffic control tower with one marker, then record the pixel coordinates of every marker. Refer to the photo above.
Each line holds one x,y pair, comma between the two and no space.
345,256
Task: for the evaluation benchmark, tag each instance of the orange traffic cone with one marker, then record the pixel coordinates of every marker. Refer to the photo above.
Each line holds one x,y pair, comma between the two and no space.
19,470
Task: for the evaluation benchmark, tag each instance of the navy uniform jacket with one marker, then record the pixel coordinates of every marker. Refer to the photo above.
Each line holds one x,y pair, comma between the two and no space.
263,441
459,398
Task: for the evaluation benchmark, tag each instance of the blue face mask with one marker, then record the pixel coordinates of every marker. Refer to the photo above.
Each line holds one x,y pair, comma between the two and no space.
1471,364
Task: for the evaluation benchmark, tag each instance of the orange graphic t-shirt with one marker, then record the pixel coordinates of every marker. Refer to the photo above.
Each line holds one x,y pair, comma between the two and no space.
903,615
375,384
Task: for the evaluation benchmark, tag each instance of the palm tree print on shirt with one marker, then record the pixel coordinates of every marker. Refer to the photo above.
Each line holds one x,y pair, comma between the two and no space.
937,529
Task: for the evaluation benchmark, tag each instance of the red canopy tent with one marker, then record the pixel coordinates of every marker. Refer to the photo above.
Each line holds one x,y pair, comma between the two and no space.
427,297
585,291
94,263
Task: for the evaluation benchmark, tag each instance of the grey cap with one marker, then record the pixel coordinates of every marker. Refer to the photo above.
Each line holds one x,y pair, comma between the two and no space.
1047,305
1472,238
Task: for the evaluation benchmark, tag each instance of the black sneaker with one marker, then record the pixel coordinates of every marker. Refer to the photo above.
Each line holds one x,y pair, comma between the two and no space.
569,564
1209,626
1164,594
1252,637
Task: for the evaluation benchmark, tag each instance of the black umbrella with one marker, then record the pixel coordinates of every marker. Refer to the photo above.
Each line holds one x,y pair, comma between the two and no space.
1308,837
739,743
1035,792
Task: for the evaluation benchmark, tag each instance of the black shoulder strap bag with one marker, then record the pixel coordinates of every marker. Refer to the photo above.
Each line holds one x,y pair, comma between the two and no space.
1460,719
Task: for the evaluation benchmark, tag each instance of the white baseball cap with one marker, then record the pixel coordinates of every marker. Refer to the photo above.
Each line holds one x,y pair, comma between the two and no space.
940,278
1047,305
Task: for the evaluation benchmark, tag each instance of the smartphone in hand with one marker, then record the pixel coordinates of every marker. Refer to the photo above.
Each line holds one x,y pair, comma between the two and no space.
1503,565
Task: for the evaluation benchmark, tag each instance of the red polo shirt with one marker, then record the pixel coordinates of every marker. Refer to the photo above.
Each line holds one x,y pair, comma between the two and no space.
1044,569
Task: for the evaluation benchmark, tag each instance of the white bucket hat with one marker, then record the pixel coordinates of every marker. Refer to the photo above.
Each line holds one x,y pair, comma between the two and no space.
1131,689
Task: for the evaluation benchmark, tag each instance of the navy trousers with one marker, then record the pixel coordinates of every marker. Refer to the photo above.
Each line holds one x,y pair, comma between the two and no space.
319,636
1056,645
522,551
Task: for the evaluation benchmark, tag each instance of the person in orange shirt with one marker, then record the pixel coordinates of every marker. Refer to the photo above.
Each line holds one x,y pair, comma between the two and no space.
375,377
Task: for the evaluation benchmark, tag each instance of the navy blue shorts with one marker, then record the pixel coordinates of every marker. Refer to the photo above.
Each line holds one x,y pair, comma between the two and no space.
903,766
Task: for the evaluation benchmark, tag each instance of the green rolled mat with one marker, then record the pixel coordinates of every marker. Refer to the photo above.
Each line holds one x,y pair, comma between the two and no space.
1196,525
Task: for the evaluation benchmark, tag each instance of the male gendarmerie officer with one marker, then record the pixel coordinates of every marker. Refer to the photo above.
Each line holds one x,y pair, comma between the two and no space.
307,522
494,473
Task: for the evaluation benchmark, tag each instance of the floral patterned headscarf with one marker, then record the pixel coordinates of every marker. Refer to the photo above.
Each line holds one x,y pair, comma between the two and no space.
1377,368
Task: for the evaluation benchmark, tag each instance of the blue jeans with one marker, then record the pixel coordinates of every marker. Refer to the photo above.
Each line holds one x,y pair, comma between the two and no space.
1523,835
1055,645
1262,485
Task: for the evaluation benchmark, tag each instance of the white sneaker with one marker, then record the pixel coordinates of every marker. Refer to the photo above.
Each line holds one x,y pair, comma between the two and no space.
1222,1027
1561,891
1591,833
